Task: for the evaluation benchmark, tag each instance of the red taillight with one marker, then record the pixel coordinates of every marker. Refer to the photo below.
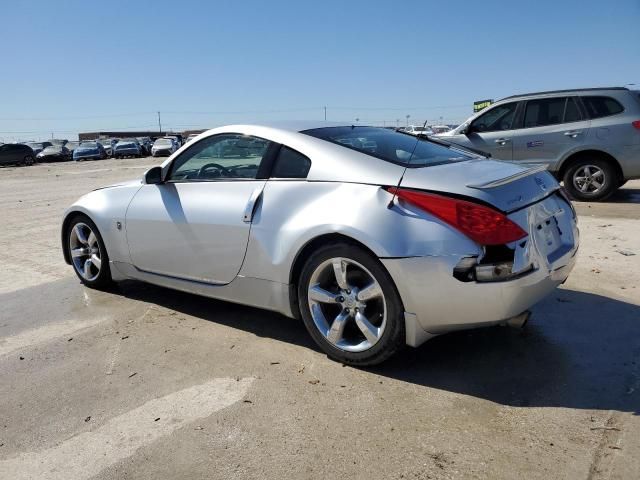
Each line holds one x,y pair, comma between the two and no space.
636,124
481,224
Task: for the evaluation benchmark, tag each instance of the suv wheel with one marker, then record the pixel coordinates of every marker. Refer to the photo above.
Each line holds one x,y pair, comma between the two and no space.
28,160
590,179
350,305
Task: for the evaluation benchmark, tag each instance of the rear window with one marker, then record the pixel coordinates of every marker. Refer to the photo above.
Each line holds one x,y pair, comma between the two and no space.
389,145
598,107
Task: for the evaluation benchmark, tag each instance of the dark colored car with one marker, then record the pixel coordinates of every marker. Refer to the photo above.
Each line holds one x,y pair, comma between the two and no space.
55,153
16,154
146,143
127,148
89,151
37,147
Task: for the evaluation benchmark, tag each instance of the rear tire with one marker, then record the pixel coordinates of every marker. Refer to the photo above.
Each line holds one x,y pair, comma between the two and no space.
88,253
590,179
370,321
28,161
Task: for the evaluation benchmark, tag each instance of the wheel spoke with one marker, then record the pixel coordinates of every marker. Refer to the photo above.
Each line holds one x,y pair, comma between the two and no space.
596,184
319,294
340,271
337,327
370,332
584,186
78,252
92,239
598,173
87,268
82,238
370,291
586,170
96,261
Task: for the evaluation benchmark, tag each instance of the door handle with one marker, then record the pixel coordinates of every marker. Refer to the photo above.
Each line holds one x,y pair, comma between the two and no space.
502,141
249,210
573,133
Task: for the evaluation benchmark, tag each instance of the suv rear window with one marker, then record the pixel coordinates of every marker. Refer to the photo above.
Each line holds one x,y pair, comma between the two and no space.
598,107
389,145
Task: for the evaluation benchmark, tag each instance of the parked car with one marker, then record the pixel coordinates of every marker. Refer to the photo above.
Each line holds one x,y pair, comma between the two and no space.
71,146
37,147
146,144
436,129
191,137
588,138
163,146
455,241
89,151
108,144
127,148
418,130
59,141
16,154
54,153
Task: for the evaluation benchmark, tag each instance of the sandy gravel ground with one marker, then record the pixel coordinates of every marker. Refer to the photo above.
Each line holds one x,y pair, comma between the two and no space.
143,382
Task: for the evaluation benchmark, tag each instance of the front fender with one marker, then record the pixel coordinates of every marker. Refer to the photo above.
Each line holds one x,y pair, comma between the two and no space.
105,207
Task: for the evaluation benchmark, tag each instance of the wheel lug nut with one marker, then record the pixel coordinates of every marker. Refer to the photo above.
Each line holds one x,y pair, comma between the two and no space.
346,310
340,299
348,292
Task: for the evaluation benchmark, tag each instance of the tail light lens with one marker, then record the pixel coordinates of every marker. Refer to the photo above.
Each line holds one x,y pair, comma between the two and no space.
636,124
481,224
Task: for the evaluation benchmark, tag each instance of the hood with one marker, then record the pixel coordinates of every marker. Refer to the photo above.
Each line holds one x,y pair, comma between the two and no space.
127,183
505,185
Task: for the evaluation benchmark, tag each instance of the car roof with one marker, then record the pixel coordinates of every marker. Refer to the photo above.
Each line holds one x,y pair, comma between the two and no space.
572,90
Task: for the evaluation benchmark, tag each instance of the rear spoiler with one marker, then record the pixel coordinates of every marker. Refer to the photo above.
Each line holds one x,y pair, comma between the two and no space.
509,179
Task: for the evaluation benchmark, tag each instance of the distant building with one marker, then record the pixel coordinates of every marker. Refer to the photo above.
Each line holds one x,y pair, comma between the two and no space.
128,134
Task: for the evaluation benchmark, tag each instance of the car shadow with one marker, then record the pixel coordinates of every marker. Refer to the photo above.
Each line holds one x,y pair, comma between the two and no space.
625,195
580,350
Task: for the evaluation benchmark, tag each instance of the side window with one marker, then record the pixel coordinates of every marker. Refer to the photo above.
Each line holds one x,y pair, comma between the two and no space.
497,119
220,157
598,107
571,112
290,164
544,111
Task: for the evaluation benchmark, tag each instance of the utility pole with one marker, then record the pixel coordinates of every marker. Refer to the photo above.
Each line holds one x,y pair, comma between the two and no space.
325,114
159,124
407,117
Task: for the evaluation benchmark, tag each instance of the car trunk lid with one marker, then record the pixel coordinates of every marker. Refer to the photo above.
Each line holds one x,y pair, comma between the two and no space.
503,185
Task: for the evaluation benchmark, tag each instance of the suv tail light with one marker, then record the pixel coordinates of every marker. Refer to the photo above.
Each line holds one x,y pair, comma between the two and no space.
636,124
481,224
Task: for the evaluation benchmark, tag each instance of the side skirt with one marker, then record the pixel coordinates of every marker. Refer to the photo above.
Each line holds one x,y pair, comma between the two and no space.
254,292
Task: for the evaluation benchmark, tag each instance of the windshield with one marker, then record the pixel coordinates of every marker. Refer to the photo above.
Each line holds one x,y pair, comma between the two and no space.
163,141
35,145
88,145
389,145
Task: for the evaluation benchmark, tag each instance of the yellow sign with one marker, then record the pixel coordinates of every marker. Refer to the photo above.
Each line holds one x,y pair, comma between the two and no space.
481,104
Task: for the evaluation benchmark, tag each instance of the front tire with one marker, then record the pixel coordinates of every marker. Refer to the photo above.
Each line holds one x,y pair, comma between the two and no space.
28,161
590,179
350,306
88,253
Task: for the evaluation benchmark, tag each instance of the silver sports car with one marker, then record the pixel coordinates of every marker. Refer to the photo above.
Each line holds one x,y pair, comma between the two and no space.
375,238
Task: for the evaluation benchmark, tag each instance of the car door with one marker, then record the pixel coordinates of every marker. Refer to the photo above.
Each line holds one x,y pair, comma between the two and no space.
491,132
195,224
552,127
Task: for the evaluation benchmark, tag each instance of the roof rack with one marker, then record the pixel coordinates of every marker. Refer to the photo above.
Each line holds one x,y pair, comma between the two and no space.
566,91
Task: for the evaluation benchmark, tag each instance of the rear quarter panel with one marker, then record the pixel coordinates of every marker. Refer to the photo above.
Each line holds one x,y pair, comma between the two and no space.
292,213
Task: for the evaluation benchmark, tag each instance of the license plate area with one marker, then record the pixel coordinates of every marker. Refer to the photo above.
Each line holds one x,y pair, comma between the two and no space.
549,236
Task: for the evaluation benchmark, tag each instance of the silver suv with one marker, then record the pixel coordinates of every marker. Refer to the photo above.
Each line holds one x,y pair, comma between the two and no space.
588,138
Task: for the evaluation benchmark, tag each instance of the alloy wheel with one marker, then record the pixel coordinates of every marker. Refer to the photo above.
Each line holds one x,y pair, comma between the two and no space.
589,179
347,304
85,251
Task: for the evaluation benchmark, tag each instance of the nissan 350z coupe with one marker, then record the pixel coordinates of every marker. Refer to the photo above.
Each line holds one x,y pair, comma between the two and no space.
375,238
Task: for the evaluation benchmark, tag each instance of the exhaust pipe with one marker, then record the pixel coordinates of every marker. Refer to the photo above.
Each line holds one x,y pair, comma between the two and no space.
519,321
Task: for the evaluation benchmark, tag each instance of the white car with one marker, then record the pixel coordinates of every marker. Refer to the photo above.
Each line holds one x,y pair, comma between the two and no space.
164,146
418,130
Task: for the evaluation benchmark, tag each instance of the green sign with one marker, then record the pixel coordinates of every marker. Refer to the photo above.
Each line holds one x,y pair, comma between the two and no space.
481,104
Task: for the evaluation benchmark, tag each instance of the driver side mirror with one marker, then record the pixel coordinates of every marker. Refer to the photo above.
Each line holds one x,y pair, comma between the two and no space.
153,176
